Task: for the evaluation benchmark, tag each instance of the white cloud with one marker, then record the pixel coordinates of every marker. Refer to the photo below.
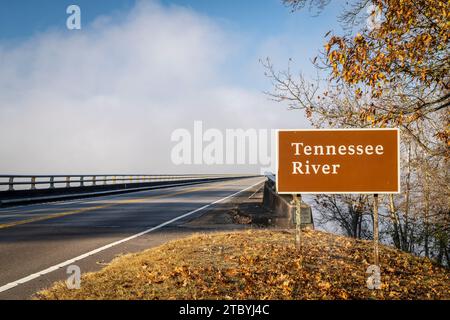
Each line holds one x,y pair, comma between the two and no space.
106,98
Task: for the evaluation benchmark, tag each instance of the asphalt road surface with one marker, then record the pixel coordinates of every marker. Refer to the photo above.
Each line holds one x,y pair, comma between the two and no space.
38,242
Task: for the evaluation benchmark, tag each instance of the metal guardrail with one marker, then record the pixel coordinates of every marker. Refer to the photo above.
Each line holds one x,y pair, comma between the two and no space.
32,182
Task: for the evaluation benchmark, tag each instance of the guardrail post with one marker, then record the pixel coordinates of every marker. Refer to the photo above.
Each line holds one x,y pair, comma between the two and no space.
52,182
11,184
104,179
114,179
67,182
94,180
82,181
33,183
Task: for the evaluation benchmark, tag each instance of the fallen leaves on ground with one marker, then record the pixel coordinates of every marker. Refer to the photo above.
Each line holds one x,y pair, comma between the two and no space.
260,264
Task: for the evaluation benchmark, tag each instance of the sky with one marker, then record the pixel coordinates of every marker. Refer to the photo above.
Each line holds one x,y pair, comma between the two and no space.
107,98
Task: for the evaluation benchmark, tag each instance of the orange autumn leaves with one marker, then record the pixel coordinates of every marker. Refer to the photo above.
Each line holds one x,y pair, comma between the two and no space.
260,264
412,41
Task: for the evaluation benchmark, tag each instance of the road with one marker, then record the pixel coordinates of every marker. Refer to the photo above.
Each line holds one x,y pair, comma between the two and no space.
38,242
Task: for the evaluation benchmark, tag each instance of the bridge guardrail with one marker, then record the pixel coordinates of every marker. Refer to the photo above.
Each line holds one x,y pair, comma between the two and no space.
67,181
19,189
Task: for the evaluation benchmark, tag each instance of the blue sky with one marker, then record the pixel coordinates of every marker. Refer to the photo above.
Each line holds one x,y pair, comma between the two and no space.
258,23
136,72
23,18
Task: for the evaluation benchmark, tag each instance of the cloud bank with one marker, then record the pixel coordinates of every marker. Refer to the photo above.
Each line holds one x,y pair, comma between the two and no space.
106,99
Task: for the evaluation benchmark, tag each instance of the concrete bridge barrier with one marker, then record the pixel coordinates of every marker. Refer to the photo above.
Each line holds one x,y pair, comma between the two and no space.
283,209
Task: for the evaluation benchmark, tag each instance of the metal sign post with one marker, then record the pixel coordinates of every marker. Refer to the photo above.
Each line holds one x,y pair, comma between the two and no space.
298,221
376,256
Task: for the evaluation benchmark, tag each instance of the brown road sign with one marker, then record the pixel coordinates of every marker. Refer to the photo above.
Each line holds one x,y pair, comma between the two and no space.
338,161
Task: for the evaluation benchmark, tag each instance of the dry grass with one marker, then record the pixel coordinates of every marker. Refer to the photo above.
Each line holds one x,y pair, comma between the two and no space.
260,264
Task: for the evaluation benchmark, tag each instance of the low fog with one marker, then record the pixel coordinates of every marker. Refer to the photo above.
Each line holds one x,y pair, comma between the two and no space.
107,98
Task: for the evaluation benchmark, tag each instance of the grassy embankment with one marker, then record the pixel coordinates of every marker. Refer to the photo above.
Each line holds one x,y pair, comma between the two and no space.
260,264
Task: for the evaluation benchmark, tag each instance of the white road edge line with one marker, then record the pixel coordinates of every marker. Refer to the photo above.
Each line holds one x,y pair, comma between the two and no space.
257,190
95,251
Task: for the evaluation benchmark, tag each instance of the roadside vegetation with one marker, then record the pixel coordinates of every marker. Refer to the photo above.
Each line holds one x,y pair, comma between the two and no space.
389,67
260,264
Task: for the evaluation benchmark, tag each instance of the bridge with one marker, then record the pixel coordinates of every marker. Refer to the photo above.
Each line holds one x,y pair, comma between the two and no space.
50,222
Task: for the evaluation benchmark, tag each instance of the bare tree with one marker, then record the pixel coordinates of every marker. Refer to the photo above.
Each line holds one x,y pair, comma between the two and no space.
417,220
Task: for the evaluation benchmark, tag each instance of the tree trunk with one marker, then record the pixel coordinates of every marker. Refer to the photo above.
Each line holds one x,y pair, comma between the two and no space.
426,215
